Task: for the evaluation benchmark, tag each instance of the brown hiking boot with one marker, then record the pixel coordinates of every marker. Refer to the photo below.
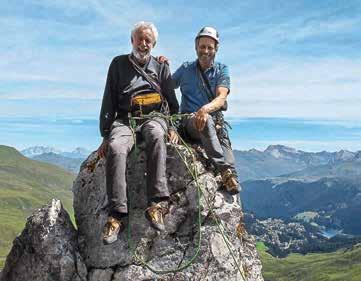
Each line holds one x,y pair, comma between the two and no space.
155,215
230,182
111,230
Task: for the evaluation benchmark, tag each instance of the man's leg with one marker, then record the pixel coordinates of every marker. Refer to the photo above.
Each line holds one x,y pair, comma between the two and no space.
227,149
154,134
219,152
121,142
209,139
230,177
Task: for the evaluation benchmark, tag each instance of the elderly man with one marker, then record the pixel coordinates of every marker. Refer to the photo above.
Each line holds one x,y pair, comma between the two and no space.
136,85
205,85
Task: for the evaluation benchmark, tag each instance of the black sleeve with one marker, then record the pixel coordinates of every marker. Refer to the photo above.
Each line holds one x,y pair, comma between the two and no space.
107,112
168,89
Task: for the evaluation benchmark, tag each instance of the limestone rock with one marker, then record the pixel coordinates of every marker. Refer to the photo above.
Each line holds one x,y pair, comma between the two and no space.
100,274
178,244
46,249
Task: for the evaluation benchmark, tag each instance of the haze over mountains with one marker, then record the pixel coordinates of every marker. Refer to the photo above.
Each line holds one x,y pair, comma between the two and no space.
275,161
33,151
69,161
279,160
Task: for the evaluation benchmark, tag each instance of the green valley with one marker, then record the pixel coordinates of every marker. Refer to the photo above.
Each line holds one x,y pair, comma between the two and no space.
342,265
25,185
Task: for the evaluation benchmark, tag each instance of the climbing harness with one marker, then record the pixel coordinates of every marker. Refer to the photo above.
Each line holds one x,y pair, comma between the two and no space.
193,171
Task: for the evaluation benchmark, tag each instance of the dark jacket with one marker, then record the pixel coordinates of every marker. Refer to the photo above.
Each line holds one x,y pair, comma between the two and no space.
123,81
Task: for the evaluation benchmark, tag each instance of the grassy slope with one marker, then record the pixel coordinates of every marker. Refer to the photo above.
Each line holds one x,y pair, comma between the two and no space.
342,265
24,186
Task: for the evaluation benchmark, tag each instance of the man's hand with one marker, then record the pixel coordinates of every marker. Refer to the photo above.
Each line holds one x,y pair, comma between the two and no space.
163,59
103,148
173,136
201,118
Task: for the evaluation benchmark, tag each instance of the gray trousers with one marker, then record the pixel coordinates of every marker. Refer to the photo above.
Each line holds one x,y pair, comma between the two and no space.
220,153
121,142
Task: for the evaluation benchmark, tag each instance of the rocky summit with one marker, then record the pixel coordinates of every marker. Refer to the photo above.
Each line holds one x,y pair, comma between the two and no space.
204,237
46,249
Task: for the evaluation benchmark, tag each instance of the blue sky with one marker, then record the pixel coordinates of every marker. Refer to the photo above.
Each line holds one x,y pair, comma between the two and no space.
288,59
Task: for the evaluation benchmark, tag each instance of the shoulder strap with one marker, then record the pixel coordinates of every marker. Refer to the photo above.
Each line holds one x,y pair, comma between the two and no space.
145,75
153,82
205,82
207,87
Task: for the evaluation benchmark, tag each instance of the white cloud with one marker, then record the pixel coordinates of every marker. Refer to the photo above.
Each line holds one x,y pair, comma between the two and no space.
325,88
315,27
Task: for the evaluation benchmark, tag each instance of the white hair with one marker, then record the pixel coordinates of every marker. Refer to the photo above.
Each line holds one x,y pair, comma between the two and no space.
145,25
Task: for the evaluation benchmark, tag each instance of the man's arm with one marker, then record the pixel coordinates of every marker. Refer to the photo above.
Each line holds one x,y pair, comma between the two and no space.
168,89
203,113
222,90
177,76
169,93
107,112
218,102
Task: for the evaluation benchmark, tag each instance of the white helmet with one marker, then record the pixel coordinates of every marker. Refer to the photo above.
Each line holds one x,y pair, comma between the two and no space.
209,32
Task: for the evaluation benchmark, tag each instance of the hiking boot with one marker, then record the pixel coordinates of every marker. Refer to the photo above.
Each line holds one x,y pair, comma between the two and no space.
111,230
155,215
230,182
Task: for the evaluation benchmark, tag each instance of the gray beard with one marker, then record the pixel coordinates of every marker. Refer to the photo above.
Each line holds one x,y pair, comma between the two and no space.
140,57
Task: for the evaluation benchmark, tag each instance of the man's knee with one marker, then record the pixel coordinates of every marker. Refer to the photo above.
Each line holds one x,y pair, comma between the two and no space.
209,129
155,132
120,145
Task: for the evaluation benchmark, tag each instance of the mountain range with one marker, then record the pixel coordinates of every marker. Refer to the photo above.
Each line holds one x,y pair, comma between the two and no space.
279,160
77,153
325,184
275,161
68,160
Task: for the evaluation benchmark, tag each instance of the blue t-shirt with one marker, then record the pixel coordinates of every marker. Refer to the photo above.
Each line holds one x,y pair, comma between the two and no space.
194,94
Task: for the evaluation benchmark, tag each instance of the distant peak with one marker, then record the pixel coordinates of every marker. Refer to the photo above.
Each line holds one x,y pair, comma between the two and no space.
344,155
254,150
81,150
280,150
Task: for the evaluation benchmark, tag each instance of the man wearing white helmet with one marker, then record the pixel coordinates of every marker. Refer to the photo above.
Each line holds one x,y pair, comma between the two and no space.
205,85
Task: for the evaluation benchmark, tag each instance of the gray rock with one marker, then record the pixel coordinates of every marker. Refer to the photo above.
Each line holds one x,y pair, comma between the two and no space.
177,245
46,249
100,274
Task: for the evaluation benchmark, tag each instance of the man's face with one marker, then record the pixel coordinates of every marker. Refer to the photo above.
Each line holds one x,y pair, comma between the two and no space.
142,41
206,50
